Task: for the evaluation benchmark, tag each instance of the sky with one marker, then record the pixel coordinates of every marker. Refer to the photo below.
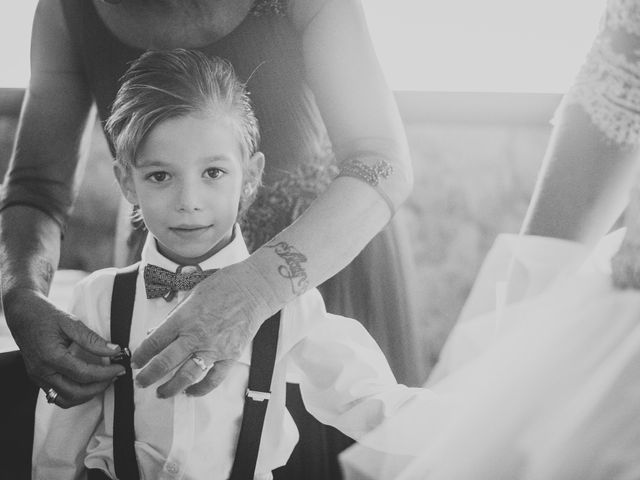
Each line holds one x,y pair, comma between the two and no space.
529,46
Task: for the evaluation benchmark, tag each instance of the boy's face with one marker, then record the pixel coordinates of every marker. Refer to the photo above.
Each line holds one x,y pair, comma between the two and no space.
187,181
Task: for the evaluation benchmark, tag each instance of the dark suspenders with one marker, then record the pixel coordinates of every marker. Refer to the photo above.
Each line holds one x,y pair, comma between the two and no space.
122,300
263,357
256,400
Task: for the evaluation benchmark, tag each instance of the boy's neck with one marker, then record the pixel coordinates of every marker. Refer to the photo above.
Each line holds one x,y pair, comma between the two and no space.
180,260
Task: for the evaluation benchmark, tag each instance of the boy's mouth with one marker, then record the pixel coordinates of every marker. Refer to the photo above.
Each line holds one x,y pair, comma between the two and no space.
190,228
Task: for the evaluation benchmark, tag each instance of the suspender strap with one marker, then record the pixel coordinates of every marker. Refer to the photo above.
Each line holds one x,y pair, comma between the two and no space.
263,357
97,474
122,299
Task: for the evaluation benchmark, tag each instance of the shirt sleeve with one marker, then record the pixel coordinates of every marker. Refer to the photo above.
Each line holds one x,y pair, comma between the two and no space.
61,436
346,381
607,86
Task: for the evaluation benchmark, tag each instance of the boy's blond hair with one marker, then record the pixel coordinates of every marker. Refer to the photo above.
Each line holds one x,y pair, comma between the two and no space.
161,85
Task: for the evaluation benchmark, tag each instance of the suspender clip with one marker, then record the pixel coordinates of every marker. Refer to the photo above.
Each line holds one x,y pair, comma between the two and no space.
123,357
258,396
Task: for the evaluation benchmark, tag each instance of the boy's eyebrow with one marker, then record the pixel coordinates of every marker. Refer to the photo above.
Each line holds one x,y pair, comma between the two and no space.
142,162
155,162
218,158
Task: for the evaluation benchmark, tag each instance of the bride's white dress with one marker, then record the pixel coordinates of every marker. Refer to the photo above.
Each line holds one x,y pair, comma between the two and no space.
547,387
553,394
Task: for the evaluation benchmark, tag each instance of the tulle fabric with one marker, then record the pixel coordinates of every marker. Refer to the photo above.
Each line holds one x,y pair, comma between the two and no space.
554,395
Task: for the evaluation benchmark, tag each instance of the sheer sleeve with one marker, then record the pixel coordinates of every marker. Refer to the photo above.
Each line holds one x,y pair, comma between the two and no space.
608,84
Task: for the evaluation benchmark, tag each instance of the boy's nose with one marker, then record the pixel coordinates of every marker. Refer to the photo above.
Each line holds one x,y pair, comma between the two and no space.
189,198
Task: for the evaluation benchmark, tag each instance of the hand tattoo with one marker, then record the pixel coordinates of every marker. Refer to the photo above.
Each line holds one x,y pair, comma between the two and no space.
293,270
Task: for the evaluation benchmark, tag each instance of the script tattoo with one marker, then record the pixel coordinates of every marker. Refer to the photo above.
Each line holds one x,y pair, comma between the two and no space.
46,271
293,270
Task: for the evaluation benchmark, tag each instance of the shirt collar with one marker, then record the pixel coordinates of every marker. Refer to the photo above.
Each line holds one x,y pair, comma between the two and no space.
236,251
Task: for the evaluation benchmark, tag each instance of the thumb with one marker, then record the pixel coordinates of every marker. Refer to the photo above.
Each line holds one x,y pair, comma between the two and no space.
87,338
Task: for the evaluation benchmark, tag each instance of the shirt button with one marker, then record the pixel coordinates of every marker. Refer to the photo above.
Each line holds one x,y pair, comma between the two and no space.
172,468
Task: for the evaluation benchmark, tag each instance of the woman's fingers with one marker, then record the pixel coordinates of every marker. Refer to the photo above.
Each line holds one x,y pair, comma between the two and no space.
75,380
164,362
160,339
81,372
190,372
87,338
212,379
217,321
71,393
50,362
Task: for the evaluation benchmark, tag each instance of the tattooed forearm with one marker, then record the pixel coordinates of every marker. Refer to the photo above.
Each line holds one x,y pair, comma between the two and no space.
294,268
46,271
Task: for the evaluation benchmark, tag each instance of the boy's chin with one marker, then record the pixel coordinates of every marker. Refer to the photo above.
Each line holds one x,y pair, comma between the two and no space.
190,256
186,257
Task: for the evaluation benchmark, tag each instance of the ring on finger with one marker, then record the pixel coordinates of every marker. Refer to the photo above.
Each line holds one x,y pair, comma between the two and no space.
199,361
51,395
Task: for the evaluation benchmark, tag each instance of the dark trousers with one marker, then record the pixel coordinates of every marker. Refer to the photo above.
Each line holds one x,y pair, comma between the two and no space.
315,457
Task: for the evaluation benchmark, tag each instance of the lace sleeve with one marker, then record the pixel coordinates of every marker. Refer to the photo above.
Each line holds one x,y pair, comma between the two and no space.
608,84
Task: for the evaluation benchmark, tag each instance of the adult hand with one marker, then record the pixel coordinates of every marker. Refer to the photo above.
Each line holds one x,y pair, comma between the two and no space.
215,322
49,340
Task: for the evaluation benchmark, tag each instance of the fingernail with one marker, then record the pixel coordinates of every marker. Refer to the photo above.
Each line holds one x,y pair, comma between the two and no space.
121,373
113,346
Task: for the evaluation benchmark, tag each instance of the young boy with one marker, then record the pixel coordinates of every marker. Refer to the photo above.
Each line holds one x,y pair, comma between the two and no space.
186,155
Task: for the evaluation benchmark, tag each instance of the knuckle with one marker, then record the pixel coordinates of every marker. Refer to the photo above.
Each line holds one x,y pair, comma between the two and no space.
198,335
152,342
92,338
160,365
190,375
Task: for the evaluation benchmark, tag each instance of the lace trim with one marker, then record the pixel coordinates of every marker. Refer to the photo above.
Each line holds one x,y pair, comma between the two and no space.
624,15
267,7
279,204
608,88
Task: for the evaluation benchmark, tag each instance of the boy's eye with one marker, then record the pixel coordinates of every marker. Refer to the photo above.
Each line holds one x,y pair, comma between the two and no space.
214,172
158,176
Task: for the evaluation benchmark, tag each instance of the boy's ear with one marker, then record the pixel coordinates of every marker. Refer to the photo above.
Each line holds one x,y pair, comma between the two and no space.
125,180
254,170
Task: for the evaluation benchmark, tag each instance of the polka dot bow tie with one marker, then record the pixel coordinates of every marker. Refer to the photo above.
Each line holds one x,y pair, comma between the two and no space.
159,282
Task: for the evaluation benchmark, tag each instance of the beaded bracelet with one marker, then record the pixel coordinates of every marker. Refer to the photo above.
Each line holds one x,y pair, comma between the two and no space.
370,174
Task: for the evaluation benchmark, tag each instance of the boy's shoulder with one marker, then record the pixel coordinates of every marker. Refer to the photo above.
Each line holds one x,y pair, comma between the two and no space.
102,280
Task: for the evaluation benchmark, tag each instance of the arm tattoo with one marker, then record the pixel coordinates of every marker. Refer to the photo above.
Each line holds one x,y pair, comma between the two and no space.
46,271
294,269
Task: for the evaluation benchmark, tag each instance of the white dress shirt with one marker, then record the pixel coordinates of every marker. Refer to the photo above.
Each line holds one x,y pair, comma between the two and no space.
344,379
